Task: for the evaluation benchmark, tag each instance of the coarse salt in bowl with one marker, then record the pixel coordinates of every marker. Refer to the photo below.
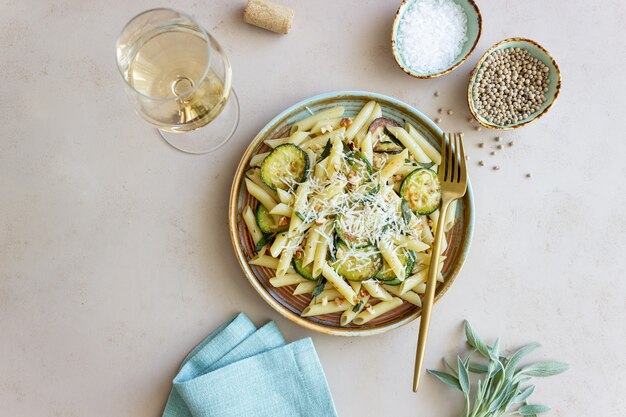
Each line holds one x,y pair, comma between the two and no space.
430,38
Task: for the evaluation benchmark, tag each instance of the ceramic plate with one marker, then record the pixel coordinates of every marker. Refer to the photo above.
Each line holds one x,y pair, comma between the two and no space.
281,299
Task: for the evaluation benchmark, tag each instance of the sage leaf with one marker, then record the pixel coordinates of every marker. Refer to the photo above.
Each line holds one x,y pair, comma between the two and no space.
524,394
263,241
464,381
357,306
447,379
406,211
543,369
326,150
426,165
477,368
474,340
518,355
319,287
494,351
450,367
531,409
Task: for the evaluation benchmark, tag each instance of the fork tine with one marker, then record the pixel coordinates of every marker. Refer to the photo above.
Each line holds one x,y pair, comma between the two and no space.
454,165
457,158
442,168
463,170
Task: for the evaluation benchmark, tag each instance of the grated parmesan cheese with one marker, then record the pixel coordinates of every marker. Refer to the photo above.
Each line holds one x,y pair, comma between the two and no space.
431,35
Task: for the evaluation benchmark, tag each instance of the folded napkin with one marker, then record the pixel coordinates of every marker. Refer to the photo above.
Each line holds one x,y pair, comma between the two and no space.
240,370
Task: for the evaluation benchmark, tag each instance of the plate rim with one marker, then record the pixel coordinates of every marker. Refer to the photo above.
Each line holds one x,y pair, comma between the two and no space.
240,255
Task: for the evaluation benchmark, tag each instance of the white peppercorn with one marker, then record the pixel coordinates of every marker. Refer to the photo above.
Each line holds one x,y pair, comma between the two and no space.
510,86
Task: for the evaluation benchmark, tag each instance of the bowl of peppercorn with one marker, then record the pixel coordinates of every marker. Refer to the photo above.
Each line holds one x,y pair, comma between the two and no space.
514,83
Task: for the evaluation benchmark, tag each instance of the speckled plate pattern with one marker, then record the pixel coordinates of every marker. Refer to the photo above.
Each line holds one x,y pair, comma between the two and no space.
281,299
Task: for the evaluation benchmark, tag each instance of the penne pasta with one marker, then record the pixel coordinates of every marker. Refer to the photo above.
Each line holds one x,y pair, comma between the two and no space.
409,143
312,240
376,290
366,148
376,113
413,281
377,310
426,146
394,262
360,120
305,287
326,125
309,122
287,279
253,228
349,315
282,209
256,160
410,296
329,294
392,165
255,176
284,196
338,282
280,242
260,194
264,260
320,309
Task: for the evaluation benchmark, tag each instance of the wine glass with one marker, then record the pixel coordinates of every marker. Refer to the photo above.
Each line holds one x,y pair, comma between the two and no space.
179,79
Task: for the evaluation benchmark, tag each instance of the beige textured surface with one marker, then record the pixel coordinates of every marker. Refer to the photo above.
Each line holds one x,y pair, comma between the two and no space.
114,252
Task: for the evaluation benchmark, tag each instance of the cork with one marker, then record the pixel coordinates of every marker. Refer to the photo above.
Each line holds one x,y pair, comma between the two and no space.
268,15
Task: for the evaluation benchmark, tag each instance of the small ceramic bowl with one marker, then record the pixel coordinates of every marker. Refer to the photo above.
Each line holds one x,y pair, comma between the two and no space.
537,51
474,28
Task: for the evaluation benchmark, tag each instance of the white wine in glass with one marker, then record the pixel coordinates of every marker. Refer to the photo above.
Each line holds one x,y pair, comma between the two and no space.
179,79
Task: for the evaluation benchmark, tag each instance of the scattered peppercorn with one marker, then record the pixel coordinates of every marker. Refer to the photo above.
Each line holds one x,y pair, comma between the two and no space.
496,168
437,120
477,128
498,139
450,112
499,146
481,163
492,153
436,93
481,145
529,175
511,143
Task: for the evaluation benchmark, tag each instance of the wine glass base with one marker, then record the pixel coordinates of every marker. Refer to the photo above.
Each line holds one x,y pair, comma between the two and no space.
210,137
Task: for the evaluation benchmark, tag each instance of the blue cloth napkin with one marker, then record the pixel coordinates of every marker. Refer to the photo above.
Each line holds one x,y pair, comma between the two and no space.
242,371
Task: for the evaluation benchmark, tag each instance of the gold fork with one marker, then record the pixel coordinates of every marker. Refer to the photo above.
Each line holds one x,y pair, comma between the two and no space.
453,178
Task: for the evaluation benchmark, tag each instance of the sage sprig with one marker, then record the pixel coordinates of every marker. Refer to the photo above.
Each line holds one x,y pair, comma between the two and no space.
504,384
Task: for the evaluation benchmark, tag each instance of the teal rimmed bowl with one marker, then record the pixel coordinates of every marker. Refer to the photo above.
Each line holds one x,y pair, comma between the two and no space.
281,299
474,29
535,50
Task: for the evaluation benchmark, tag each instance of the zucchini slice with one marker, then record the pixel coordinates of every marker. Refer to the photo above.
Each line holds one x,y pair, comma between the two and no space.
287,163
380,124
357,264
383,140
387,147
421,188
266,222
347,236
304,271
407,257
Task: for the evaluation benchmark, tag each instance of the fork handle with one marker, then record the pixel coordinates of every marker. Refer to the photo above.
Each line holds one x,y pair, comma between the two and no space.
429,295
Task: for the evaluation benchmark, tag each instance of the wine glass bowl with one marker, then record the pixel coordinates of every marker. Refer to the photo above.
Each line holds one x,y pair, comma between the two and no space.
179,79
